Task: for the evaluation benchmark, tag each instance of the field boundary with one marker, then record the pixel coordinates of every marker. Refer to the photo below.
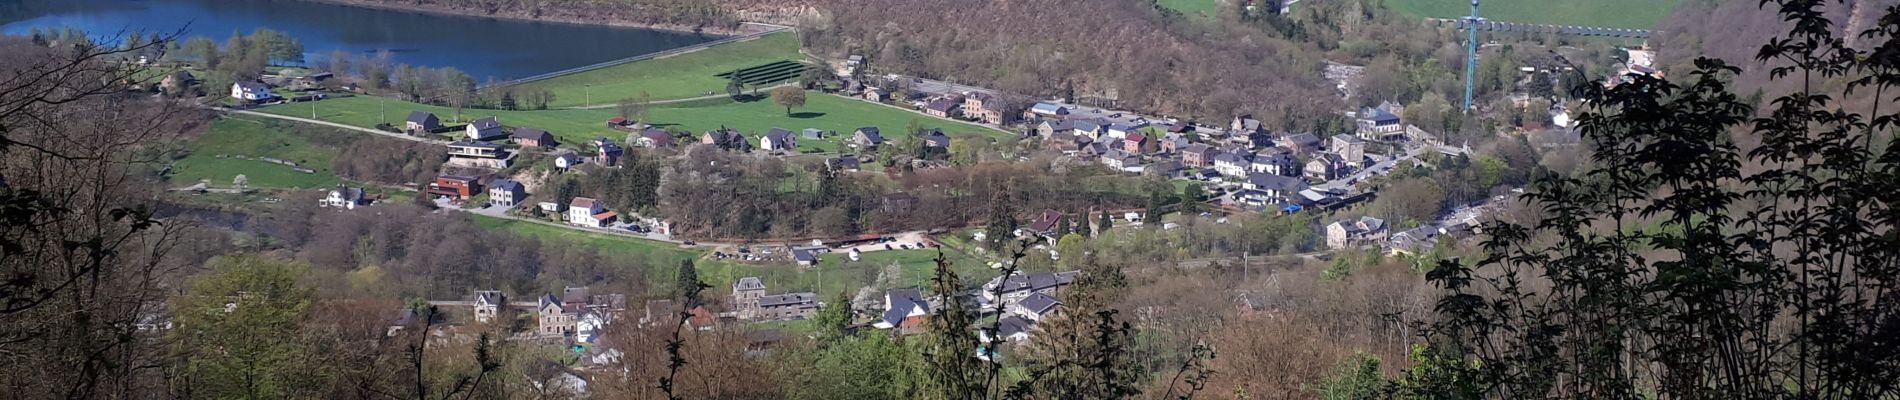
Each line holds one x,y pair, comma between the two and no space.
771,29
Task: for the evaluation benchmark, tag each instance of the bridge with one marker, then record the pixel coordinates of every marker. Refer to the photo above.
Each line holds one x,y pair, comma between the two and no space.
1574,30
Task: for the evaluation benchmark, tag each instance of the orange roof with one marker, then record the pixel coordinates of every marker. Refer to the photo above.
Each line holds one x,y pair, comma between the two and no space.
605,215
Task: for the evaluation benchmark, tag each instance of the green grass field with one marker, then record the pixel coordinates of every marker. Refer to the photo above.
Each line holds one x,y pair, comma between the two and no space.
253,137
1202,8
575,127
1636,14
677,77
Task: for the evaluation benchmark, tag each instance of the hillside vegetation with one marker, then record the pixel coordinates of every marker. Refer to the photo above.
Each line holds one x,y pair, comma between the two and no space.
1634,14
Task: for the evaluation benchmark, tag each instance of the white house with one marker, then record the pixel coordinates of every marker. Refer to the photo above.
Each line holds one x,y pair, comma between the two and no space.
344,197
778,140
901,304
251,91
505,193
1231,164
566,160
488,304
588,212
1035,307
587,326
485,128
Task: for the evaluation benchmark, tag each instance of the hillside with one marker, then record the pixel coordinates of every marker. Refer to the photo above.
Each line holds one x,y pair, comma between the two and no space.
1635,14
1734,31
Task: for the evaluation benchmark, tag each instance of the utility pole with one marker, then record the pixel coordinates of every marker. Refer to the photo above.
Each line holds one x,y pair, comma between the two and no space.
381,113
587,95
1471,52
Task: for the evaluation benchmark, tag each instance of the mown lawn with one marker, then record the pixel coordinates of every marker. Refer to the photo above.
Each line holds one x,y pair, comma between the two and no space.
1635,14
576,127
253,137
1201,8
677,77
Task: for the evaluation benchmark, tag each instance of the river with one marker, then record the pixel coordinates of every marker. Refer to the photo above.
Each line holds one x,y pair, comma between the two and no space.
483,47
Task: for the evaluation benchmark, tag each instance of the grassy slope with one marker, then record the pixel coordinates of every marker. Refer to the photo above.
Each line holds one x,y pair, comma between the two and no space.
677,77
837,273
254,138
1639,14
1203,8
574,127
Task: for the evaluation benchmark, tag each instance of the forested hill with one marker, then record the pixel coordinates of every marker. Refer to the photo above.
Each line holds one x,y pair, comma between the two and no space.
1734,30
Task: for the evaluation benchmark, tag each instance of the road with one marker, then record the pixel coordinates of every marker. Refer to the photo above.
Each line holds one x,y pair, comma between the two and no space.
332,124
1345,183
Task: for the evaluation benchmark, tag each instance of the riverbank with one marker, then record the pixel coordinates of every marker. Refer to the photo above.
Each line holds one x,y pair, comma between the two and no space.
598,15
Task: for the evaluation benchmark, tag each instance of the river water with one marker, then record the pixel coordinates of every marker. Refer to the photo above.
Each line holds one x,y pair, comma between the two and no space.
483,47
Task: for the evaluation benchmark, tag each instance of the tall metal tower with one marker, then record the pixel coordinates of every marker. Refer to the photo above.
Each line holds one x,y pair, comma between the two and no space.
1471,52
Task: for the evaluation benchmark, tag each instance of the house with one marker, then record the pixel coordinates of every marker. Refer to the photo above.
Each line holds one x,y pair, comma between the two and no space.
1046,224
618,123
484,128
1065,141
1326,167
936,138
987,108
899,305
1118,160
344,197
1378,124
588,324
1174,142
566,160
1135,143
1049,128
867,137
252,91
532,137
1231,164
1008,290
654,138
778,139
1414,241
1244,125
814,133
877,95
1121,131
897,203
478,155
576,297
1198,155
751,302
421,122
505,193
787,306
1047,110
1013,328
1350,148
488,304
726,138
745,296
455,187
586,211
1300,143
1276,186
1345,233
609,154
843,163
1275,160
556,319
943,107
804,257
1034,307
1087,128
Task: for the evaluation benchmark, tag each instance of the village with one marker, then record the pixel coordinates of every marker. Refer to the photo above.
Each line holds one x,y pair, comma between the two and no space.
1241,166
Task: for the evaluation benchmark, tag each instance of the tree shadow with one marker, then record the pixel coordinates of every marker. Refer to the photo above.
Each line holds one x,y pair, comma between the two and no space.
806,115
747,98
